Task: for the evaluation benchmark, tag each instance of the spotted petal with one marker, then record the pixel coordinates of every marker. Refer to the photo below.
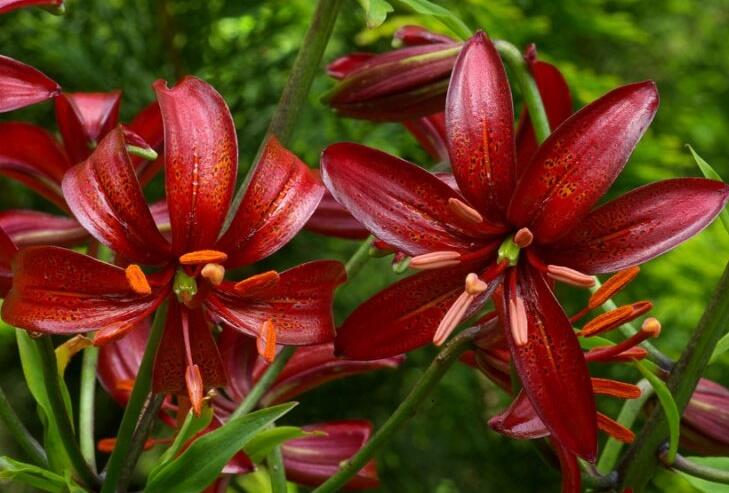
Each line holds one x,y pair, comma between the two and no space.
201,153
640,225
27,227
119,362
580,160
22,85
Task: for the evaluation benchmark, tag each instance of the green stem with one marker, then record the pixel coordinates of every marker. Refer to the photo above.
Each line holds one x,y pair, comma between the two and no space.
359,258
150,411
86,405
17,429
265,382
708,473
629,330
142,387
529,90
298,85
59,413
276,470
628,414
440,365
639,462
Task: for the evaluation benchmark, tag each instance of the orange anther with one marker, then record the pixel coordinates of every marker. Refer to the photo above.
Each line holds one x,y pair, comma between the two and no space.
614,388
651,326
608,321
125,385
203,257
258,283
194,382
137,280
475,285
523,238
266,341
612,286
464,211
614,429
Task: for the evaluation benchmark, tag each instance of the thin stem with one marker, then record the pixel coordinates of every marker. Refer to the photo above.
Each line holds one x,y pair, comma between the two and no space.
298,85
639,462
529,90
265,382
440,365
628,414
629,330
142,387
276,470
681,463
59,412
86,405
17,429
359,258
151,408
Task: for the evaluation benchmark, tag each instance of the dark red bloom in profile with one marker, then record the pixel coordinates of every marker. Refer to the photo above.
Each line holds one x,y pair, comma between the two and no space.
10,5
309,460
527,227
705,421
59,291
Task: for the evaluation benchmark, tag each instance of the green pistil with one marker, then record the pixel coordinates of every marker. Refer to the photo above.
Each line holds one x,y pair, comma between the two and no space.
184,286
509,251
145,153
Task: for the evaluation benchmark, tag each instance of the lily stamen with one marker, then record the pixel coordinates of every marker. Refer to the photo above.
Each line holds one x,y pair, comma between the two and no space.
615,388
569,276
435,260
215,273
193,378
615,318
651,328
137,279
266,341
523,238
473,287
598,355
614,429
257,284
203,257
518,321
463,211
612,286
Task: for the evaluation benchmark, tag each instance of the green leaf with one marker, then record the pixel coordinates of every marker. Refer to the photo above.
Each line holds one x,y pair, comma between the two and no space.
595,342
703,484
260,445
710,173
201,463
37,477
667,403
192,425
448,18
375,11
721,347
32,370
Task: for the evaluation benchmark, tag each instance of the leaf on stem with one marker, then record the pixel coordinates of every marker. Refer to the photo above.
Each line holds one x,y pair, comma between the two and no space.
710,173
375,11
673,417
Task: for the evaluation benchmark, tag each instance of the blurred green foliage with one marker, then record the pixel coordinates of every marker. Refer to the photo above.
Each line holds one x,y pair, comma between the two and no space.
245,49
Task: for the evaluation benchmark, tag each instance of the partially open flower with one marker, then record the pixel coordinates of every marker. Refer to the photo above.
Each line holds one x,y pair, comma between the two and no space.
705,421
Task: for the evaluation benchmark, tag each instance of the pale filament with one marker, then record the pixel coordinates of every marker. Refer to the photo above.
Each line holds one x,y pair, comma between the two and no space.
473,287
435,260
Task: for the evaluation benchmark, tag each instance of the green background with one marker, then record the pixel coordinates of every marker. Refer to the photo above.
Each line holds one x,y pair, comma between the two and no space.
245,49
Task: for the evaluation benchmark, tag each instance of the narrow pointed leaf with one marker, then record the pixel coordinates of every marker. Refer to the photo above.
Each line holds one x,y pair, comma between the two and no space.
711,174
375,11
720,463
448,18
721,347
84,118
34,476
259,446
640,225
201,152
190,427
199,465
22,85
579,161
673,416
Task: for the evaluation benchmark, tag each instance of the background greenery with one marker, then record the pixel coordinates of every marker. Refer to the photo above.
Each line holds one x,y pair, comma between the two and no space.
245,48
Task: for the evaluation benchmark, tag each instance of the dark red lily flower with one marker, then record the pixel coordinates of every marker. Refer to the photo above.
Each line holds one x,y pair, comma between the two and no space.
291,308
530,230
22,85
308,461
10,5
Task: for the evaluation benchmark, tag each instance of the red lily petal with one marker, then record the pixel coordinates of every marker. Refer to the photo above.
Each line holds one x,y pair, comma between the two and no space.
148,125
640,225
347,64
331,219
405,315
31,155
551,365
480,124
7,252
201,153
105,196
170,362
84,118
400,203
416,35
312,460
430,132
580,160
557,103
519,420
571,479
119,362
300,304
280,198
10,5
22,85
59,291
240,356
28,227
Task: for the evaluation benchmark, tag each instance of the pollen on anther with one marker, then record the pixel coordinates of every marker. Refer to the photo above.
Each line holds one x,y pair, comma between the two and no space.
257,283
462,210
137,280
266,341
203,257
651,326
523,238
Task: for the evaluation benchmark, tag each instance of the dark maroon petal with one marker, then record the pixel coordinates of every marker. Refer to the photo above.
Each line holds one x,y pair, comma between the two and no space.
416,35
405,315
59,291
281,196
580,160
551,365
201,153
22,85
7,252
84,118
519,420
331,219
557,102
400,203
299,305
119,362
312,460
148,125
10,5
430,132
32,156
347,64
640,225
480,125
28,227
240,358
571,473
105,196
